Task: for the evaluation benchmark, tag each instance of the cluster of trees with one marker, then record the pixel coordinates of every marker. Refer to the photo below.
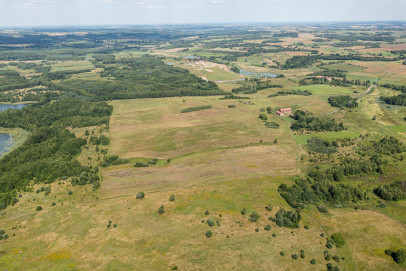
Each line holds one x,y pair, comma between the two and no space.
10,80
358,36
289,219
395,100
310,191
49,152
394,191
321,145
401,88
343,101
251,86
297,62
291,92
195,108
304,122
330,73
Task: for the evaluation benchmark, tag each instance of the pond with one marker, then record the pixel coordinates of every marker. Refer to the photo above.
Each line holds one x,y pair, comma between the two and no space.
258,74
6,140
4,107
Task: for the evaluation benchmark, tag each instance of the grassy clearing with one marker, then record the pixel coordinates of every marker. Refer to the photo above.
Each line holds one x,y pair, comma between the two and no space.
72,66
302,139
325,90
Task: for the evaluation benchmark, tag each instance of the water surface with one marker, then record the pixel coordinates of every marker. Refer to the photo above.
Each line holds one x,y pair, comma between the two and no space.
6,141
4,107
258,74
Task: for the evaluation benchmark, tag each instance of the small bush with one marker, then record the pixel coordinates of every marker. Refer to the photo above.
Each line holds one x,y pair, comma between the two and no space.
218,223
210,222
70,193
338,239
254,217
302,254
313,261
400,256
282,253
330,244
269,207
389,252
161,210
207,212
273,234
306,227
244,211
172,197
231,106
257,229
267,227
53,204
115,226
39,208
209,234
322,209
140,195
336,258
139,164
294,256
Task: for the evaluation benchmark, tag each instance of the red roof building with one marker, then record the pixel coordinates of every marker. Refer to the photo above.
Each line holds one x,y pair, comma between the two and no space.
284,111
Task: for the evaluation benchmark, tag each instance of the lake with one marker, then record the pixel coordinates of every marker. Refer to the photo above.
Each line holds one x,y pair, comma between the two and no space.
4,107
258,74
6,140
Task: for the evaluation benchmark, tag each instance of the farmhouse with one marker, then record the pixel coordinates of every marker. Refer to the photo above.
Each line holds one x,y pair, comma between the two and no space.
284,111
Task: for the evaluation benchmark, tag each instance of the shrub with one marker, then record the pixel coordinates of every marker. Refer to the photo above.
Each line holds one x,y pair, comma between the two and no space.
338,239
254,217
268,207
210,222
336,258
218,223
209,234
267,227
302,254
322,209
313,261
257,229
140,195
231,106
389,252
161,210
39,208
70,193
172,197
282,253
330,243
53,204
115,226
263,117
306,227
322,234
195,108
400,256
244,211
273,234
139,164
294,256
207,212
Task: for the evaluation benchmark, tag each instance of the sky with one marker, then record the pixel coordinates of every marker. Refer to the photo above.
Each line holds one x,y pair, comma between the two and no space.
136,12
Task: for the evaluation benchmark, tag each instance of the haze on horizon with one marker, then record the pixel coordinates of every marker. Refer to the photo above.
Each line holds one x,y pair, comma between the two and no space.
131,12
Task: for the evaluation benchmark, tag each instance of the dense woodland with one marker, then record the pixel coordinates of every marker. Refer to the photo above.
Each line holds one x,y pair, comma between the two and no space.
49,152
302,121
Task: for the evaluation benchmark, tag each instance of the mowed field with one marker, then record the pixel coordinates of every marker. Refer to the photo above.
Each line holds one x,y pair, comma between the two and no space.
208,145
